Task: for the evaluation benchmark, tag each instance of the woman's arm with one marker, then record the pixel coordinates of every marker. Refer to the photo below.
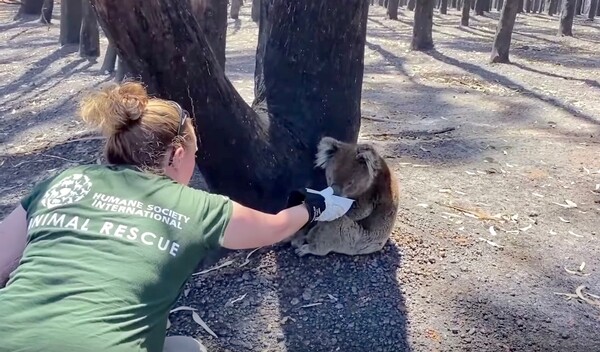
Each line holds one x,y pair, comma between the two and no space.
249,228
13,239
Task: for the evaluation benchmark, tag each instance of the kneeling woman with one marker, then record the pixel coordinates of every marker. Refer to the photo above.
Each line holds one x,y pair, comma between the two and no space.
98,254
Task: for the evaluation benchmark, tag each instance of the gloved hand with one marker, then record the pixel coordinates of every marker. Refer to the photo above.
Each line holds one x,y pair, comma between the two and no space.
322,206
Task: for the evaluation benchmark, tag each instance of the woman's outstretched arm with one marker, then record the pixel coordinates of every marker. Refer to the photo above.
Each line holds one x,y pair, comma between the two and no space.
13,239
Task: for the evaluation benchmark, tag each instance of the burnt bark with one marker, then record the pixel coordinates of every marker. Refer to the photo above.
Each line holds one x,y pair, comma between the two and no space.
444,7
392,9
29,7
89,38
212,17
423,26
499,5
520,8
124,71
552,7
479,7
567,12
466,9
528,6
593,9
70,21
504,31
255,13
236,5
46,15
110,59
306,88
411,5
578,4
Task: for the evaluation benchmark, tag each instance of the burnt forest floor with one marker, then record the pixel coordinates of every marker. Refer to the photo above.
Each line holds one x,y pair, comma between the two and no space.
499,168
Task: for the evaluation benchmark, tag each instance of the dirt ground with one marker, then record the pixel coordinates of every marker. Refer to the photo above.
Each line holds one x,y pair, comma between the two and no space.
498,165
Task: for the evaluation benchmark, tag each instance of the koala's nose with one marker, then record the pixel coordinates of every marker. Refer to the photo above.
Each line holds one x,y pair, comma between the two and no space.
336,189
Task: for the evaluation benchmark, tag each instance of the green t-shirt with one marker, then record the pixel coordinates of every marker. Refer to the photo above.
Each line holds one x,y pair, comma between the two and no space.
109,250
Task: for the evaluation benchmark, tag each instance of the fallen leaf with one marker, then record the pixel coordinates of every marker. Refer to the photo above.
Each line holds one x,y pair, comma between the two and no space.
182,308
526,228
492,231
227,263
574,234
201,322
563,220
582,266
311,305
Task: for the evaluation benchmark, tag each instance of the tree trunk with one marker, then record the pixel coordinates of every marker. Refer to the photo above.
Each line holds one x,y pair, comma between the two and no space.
499,5
528,6
123,70
89,44
380,3
385,3
70,21
306,88
504,31
46,15
256,10
110,59
392,9
411,5
423,26
236,5
29,7
212,17
578,4
520,8
479,7
567,13
552,7
466,9
593,9
444,7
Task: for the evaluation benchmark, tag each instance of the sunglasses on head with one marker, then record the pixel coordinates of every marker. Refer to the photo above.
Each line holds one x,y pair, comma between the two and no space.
183,116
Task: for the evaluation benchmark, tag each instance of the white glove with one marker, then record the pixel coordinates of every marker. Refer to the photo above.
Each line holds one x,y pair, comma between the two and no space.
335,206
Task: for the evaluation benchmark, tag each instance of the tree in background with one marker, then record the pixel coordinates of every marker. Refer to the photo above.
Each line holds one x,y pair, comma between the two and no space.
423,26
504,31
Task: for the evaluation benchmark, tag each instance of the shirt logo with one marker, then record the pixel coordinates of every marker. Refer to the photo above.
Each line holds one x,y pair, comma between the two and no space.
70,189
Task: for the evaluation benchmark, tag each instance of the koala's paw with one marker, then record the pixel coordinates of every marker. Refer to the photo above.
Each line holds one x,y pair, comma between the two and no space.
302,250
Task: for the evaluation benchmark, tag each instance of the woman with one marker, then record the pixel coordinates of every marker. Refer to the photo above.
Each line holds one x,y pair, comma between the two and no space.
104,250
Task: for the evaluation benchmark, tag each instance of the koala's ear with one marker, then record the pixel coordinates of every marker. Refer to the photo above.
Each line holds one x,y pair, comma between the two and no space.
367,155
327,147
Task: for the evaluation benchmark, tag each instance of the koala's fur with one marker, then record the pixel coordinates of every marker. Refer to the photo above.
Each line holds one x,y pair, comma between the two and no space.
358,172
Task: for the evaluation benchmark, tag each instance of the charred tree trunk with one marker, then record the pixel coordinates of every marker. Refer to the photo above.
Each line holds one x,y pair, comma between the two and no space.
380,2
528,6
520,8
47,8
578,4
499,5
423,26
110,59
123,71
70,21
552,7
444,7
29,7
567,13
479,7
236,5
411,5
306,88
256,10
504,31
466,9
89,43
392,9
593,9
212,17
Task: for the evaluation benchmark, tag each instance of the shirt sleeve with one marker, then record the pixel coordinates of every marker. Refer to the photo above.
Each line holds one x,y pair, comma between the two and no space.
214,215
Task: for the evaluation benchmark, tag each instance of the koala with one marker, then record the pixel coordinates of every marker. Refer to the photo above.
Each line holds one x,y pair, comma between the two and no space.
358,172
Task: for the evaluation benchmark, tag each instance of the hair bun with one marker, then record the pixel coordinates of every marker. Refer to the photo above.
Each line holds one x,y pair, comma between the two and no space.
114,107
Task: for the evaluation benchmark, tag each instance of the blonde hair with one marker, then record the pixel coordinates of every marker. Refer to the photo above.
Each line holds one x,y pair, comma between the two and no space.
139,129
